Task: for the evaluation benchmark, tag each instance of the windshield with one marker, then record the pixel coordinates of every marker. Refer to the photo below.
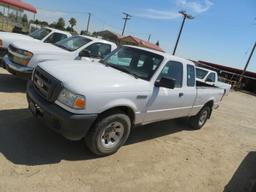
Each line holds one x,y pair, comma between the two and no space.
200,73
139,63
40,33
73,43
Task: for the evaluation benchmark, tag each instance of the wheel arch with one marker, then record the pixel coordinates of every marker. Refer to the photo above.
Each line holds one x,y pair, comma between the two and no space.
209,103
122,108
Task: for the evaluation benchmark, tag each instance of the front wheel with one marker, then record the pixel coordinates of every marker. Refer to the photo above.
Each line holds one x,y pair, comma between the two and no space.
108,134
198,121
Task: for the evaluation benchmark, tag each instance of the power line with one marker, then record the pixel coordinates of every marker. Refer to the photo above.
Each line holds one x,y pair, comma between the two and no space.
126,18
185,16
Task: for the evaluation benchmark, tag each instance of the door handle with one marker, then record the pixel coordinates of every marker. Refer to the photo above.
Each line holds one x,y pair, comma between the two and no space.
181,94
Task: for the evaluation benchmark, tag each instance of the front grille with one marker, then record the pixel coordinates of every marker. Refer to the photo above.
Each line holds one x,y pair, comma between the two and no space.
46,85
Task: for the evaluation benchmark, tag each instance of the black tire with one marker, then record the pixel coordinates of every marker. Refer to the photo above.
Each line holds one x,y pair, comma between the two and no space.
103,128
196,121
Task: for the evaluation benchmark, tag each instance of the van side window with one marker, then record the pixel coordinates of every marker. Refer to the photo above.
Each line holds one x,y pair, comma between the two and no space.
99,50
211,77
190,76
55,37
174,70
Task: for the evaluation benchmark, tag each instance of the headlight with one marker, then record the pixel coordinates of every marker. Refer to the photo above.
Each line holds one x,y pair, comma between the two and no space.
28,54
72,100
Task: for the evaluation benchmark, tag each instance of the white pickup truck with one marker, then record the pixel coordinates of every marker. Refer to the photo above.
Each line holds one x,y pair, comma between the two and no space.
102,101
45,34
211,78
23,58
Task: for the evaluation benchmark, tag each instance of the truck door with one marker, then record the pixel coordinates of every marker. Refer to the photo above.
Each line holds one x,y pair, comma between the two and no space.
172,103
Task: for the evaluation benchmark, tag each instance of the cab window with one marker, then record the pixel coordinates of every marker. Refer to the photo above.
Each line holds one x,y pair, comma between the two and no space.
173,70
55,37
99,50
190,76
211,78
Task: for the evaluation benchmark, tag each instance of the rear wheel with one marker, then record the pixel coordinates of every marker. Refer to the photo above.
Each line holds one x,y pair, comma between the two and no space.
200,119
109,133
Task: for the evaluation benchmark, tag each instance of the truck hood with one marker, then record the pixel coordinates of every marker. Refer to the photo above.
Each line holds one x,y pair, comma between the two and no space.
84,76
9,38
16,36
39,48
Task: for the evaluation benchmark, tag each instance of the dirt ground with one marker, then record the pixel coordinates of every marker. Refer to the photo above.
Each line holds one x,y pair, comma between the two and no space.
165,156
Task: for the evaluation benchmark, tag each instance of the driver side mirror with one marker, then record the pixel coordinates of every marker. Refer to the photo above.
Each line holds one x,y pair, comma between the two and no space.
166,83
85,53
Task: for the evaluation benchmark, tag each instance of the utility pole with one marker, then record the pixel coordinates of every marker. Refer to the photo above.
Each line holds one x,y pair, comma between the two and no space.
149,37
185,16
88,22
127,17
245,67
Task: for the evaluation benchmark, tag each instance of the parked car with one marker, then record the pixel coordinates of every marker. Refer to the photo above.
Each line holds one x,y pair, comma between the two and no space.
103,101
45,34
210,77
23,58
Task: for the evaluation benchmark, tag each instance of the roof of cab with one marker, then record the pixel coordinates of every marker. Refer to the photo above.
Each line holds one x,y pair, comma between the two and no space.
165,55
57,30
97,39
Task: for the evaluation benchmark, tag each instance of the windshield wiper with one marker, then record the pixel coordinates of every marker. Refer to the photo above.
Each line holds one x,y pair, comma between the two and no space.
122,69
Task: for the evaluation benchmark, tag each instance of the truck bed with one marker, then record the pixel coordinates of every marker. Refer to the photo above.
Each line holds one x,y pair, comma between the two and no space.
204,94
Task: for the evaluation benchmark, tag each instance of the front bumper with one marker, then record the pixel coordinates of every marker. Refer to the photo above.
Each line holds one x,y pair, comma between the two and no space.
16,69
71,126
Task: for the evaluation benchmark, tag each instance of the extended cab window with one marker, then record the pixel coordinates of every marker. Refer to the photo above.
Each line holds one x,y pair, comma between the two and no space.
190,76
99,50
139,63
173,70
55,37
211,78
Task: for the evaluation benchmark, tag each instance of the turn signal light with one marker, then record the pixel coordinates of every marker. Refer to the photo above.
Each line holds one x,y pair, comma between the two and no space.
79,103
24,62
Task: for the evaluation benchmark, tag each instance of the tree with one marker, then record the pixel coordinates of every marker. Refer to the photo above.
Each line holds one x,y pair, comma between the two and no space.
44,23
157,43
24,19
36,22
53,25
60,24
72,22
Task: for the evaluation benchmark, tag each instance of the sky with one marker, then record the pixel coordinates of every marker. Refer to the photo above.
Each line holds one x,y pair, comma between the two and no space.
222,32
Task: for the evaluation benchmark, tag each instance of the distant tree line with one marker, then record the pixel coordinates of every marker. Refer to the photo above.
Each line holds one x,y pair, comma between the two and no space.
60,24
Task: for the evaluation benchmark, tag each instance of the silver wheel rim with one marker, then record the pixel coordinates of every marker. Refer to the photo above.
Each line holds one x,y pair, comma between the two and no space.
203,118
112,135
